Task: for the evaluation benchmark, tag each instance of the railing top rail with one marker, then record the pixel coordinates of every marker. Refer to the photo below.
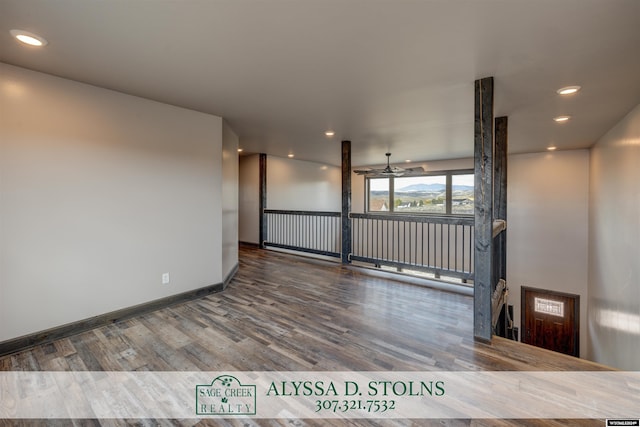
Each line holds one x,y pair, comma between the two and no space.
308,213
438,219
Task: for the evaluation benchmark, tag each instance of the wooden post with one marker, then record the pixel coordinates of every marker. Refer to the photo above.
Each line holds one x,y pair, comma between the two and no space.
500,190
483,208
500,212
262,204
346,201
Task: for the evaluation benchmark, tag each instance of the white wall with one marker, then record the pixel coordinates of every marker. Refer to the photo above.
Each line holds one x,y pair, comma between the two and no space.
249,203
300,185
614,246
229,199
101,193
547,227
291,185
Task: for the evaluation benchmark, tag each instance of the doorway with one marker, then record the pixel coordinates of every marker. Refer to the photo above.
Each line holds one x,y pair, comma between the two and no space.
551,320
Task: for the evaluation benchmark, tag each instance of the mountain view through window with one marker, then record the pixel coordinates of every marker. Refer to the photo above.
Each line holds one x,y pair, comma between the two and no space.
422,194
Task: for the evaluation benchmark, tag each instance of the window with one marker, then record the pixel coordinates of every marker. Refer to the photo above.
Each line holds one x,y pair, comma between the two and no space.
425,194
443,193
378,195
462,194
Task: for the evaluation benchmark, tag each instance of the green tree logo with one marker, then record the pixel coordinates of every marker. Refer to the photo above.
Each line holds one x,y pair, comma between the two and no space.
225,396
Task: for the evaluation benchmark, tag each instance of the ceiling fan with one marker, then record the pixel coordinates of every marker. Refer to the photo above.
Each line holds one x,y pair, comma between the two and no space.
390,171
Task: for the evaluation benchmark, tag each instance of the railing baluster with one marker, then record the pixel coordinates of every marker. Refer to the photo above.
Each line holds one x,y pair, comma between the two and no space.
363,236
428,244
435,246
369,235
374,231
422,243
359,236
408,243
441,246
322,234
395,237
448,246
415,261
388,240
457,249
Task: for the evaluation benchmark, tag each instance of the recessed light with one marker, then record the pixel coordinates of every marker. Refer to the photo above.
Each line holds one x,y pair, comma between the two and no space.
408,161
568,90
329,133
552,148
324,167
290,156
240,150
562,119
29,38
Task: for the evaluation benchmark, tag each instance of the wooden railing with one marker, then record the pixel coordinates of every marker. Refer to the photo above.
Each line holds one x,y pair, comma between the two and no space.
304,231
442,245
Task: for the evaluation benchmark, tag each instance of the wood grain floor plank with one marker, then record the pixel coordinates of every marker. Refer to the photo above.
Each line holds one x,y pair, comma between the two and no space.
283,312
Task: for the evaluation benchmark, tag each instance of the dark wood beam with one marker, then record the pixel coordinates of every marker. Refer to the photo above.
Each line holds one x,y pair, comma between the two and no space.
262,204
500,212
483,209
500,169
500,191
346,201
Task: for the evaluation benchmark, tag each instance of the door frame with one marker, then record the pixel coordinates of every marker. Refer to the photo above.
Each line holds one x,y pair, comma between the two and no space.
576,312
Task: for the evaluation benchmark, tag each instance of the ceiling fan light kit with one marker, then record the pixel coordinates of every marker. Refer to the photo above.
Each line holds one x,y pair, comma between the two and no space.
390,171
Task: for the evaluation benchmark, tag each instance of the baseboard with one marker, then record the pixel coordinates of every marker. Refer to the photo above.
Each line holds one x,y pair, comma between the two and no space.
230,276
249,244
43,337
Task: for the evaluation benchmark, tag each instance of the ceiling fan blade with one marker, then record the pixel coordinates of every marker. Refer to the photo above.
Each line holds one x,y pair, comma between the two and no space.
367,171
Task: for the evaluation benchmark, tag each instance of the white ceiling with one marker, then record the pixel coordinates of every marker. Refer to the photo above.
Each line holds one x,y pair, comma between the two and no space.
388,75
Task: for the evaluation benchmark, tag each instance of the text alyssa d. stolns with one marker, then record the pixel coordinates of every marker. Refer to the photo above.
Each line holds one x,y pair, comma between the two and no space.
352,388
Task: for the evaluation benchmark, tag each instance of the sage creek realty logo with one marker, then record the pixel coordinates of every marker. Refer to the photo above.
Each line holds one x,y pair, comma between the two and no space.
225,396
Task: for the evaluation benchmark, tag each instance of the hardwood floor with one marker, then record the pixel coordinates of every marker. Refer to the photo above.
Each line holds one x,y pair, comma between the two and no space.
289,313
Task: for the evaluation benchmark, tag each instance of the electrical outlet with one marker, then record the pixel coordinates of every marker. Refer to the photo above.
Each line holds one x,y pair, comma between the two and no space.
165,279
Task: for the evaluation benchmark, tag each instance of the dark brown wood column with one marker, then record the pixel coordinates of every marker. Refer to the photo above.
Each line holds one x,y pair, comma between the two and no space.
262,204
500,194
346,201
483,209
500,212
